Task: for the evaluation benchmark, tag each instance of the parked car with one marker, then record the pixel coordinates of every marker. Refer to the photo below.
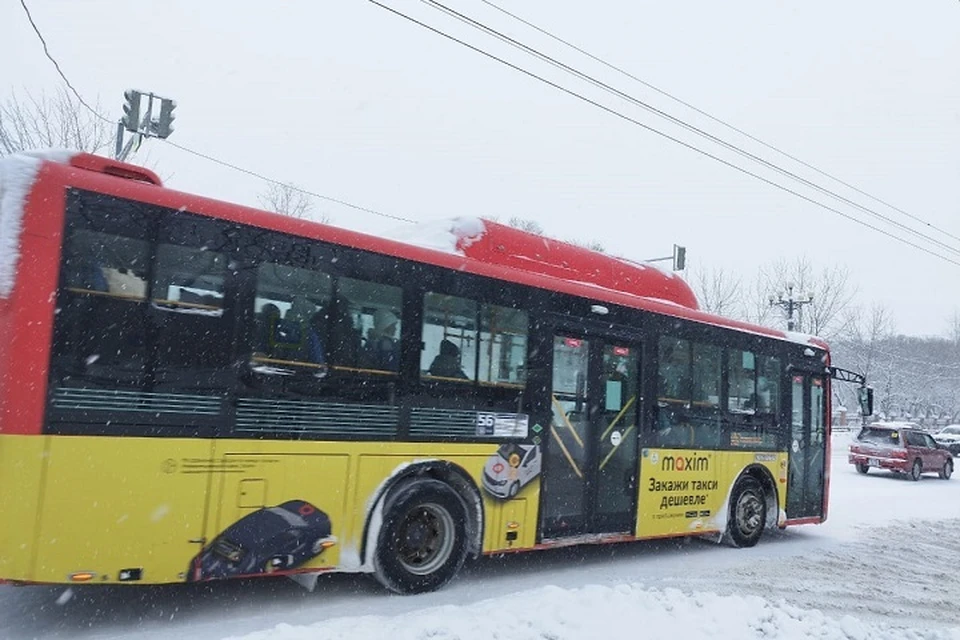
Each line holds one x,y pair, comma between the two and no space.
949,437
901,449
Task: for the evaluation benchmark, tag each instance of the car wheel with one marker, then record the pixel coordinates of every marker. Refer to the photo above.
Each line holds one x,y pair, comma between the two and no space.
863,468
748,513
916,470
423,539
514,489
947,469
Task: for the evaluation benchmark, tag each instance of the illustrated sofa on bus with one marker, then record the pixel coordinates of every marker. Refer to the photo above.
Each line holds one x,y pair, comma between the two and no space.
267,540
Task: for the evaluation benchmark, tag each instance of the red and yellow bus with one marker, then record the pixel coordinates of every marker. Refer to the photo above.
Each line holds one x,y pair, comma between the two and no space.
193,390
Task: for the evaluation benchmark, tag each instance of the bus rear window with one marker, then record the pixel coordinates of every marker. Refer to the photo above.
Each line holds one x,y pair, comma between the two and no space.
880,436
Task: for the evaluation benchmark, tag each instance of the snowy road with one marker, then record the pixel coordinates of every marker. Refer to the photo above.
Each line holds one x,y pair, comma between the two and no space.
882,565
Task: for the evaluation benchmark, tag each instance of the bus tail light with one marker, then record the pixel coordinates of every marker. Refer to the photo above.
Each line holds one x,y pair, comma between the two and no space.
82,576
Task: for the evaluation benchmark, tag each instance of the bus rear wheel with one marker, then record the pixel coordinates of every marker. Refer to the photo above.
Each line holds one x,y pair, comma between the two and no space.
748,513
423,539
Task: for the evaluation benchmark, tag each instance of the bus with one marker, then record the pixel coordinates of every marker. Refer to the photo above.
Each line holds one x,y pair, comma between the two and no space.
193,390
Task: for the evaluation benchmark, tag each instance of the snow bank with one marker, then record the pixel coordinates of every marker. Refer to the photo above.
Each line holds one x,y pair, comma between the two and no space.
17,173
625,611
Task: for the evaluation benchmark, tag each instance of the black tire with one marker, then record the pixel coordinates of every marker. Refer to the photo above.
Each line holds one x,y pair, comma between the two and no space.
748,513
514,489
423,539
916,470
947,469
863,468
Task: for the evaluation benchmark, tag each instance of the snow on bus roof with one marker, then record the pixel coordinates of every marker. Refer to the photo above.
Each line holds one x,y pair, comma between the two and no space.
447,235
17,174
455,236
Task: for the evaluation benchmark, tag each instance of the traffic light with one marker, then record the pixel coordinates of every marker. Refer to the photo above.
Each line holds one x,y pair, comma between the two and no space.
679,257
131,110
163,126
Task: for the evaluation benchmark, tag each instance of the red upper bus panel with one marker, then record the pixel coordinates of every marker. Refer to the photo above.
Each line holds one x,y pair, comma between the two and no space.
516,249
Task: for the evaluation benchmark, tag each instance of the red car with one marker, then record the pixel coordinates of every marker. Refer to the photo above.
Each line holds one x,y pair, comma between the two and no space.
901,449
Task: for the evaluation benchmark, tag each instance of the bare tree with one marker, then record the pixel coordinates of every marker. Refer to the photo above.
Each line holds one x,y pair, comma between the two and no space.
525,224
829,288
58,121
718,291
289,200
954,328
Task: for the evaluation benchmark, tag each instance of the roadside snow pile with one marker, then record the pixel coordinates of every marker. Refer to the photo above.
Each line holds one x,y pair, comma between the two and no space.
603,612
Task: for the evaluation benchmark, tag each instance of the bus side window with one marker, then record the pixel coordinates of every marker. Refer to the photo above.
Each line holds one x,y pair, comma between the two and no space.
449,337
674,394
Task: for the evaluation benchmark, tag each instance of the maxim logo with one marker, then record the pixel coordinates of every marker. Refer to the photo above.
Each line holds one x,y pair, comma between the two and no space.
685,463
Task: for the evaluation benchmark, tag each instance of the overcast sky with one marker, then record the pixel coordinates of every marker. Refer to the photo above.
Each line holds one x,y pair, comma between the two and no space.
348,100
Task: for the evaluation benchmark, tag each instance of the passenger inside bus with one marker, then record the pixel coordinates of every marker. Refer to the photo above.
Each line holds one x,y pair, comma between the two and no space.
344,338
293,336
447,362
382,349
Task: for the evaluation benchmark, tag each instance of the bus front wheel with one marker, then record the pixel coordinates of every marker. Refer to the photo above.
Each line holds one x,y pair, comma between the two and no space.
423,538
748,513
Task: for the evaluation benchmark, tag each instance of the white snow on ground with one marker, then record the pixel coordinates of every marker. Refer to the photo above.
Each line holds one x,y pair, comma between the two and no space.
628,610
883,566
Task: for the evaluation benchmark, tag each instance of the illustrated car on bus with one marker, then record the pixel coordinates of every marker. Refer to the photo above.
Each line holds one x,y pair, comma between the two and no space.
511,468
900,449
267,540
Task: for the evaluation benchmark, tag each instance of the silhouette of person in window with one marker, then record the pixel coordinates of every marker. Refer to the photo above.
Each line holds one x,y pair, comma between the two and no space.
382,348
447,362
266,326
296,334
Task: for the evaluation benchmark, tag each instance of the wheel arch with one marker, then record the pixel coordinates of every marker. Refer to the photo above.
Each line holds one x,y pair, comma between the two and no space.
442,470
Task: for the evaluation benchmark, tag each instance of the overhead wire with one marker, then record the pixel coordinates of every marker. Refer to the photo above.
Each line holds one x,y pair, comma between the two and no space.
46,51
696,109
658,132
199,154
254,174
679,122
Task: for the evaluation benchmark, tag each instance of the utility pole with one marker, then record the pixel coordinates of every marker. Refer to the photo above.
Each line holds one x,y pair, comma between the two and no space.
790,304
143,127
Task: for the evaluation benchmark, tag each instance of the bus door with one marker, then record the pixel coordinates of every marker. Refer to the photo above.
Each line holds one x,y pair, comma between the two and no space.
590,457
808,446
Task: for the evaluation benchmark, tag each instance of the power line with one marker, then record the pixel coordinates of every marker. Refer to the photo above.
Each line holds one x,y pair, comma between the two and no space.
667,136
46,51
285,184
626,73
205,156
675,120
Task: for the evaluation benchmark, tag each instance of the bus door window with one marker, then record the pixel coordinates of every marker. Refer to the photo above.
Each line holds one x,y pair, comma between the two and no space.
617,435
565,458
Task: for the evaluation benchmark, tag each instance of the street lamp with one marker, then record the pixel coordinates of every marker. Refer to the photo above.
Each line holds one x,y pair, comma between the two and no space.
789,303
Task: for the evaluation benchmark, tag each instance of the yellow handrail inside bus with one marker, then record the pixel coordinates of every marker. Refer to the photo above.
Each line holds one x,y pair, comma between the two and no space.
617,419
566,453
563,416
